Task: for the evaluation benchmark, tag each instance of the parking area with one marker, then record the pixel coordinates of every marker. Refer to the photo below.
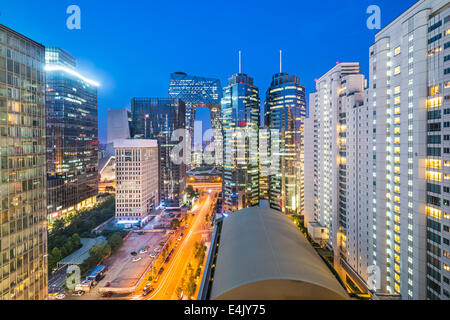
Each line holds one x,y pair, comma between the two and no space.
123,269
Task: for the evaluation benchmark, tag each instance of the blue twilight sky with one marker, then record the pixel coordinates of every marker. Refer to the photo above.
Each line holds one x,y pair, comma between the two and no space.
131,47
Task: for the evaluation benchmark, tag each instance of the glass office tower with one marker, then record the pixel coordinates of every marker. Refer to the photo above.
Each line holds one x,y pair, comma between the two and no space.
158,118
196,92
72,136
285,112
23,215
240,121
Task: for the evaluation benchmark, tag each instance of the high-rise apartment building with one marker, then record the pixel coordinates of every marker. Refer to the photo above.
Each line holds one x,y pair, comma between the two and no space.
409,93
137,180
240,121
285,111
23,212
72,136
198,91
338,137
158,118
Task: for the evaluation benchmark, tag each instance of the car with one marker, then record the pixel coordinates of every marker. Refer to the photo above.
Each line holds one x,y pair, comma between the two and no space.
108,284
78,293
161,243
133,253
176,244
61,296
146,291
136,259
107,294
156,249
152,255
179,238
143,250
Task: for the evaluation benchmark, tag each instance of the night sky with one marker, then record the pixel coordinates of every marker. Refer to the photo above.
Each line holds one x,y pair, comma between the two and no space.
131,47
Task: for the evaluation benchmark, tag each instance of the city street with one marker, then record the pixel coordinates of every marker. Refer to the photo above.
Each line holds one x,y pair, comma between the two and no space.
170,278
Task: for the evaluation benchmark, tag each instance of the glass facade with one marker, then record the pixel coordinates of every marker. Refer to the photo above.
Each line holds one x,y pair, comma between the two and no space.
158,118
196,92
240,122
72,136
285,112
23,215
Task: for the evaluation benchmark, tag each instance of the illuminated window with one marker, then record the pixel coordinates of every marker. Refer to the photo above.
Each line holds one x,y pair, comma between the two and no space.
434,102
397,110
397,140
397,51
397,218
397,229
433,164
397,90
397,160
397,70
446,267
433,212
447,32
434,176
446,163
397,130
397,199
433,90
397,100
397,210
397,150
397,189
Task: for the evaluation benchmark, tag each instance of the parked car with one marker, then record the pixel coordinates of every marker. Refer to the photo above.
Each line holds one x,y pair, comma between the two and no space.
61,296
156,249
108,284
107,294
136,259
152,255
133,253
78,293
143,250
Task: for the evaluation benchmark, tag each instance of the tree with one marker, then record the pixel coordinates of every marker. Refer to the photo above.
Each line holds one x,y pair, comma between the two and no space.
115,241
58,225
175,223
56,254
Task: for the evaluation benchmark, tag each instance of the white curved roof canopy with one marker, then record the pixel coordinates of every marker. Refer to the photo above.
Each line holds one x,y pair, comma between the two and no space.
263,255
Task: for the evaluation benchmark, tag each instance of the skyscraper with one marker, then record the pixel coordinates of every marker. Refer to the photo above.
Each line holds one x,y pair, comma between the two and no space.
196,92
23,214
137,181
409,95
158,118
285,112
240,121
72,136
337,137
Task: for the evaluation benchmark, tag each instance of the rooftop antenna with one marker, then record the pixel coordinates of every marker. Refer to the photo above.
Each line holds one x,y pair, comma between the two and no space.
240,61
280,60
